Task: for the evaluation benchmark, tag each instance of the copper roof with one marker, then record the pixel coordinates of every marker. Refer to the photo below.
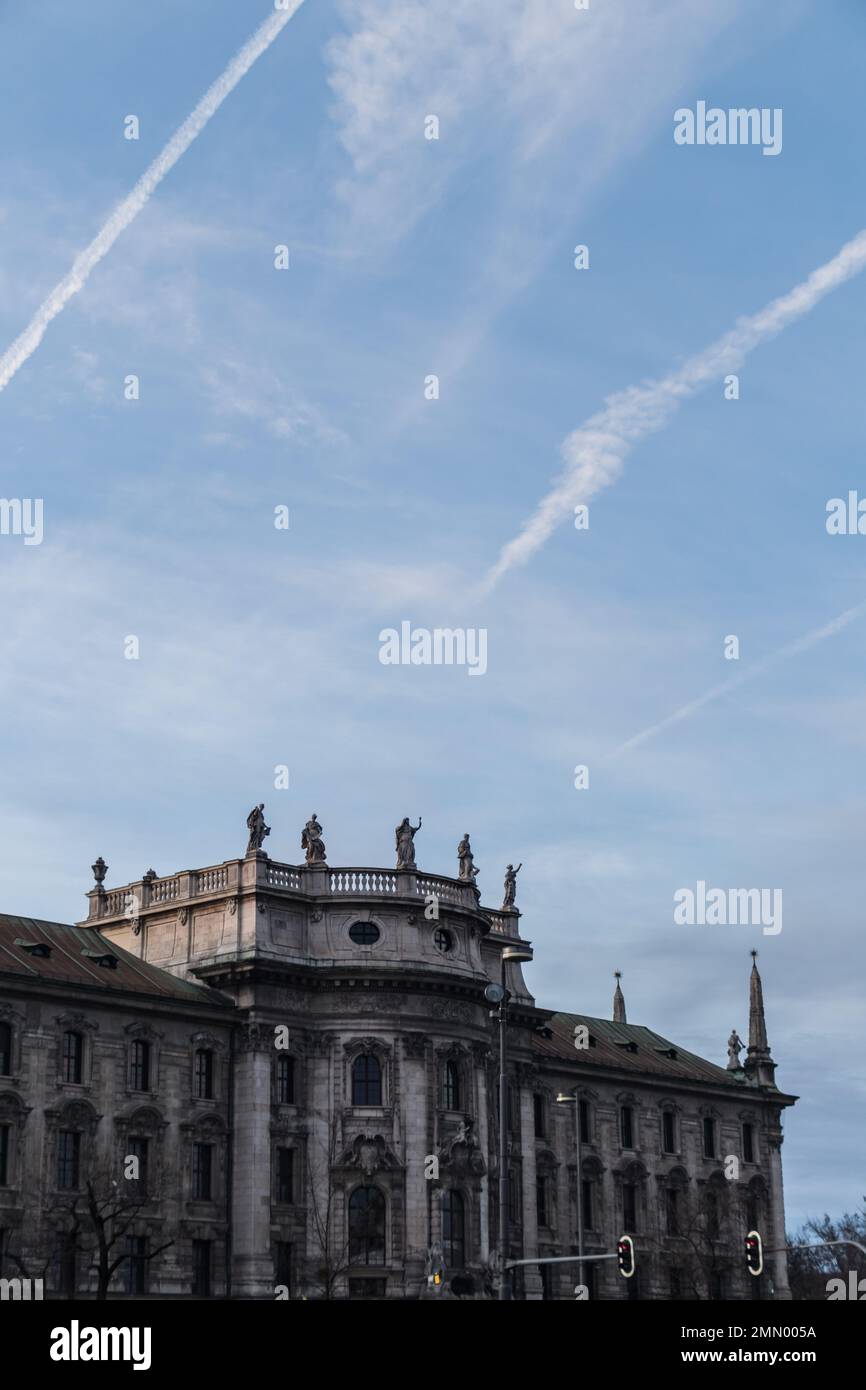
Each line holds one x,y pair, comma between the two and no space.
631,1048
74,960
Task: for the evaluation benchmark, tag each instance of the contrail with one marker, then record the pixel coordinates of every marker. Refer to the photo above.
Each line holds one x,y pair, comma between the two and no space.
800,644
26,344
595,452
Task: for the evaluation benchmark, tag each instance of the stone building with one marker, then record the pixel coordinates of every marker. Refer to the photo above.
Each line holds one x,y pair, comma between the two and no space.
270,1080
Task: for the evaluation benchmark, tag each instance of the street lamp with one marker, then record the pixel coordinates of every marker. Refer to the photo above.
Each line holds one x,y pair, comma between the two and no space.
572,1098
498,994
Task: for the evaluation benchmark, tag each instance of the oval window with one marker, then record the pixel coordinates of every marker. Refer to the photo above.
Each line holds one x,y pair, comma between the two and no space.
443,940
364,933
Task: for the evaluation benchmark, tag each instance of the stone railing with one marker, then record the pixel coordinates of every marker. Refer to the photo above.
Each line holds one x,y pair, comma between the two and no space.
283,876
354,881
505,923
314,879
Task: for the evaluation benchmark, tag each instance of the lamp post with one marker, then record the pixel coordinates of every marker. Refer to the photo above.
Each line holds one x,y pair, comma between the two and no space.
572,1098
498,994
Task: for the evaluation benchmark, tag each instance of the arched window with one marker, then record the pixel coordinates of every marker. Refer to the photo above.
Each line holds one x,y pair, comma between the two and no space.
367,1226
204,1074
366,1080
285,1080
5,1049
139,1066
73,1057
453,1229
451,1086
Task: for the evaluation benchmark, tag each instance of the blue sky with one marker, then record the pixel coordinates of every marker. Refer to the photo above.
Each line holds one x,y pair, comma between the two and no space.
305,388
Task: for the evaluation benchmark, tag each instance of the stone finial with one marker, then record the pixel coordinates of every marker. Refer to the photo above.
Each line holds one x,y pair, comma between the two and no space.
405,837
149,876
100,869
618,1000
257,828
510,887
312,842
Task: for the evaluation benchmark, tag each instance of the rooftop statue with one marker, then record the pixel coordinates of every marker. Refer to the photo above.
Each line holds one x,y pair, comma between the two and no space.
405,837
510,886
312,842
468,872
257,828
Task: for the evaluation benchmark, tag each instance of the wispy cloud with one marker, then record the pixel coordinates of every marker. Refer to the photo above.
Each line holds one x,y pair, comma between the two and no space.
26,344
800,644
594,454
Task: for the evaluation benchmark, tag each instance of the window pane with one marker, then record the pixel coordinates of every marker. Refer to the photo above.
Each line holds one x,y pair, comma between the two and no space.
5,1049
453,1229
367,1226
627,1127
366,1080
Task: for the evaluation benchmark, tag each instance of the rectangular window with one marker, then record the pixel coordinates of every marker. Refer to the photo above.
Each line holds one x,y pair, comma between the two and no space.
586,1189
5,1132
583,1110
137,1148
626,1127
68,1158
204,1074
748,1144
285,1175
541,1200
669,1143
514,1194
629,1209
201,1279
139,1066
5,1049
73,1050
538,1112
672,1204
201,1172
285,1081
709,1139
136,1264
283,1265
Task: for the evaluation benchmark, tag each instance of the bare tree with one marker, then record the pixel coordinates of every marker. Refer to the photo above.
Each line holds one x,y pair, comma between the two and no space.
809,1270
323,1191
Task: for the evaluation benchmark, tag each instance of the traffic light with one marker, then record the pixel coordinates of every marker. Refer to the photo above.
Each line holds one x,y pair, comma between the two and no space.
625,1256
754,1253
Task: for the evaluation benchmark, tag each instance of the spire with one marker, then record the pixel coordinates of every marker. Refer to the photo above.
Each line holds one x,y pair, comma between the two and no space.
759,1063
618,1001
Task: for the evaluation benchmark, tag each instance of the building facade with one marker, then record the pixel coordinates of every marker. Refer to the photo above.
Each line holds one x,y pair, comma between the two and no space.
264,1080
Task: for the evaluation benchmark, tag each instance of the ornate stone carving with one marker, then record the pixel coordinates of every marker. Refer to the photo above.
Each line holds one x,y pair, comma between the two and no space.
369,1153
183,916
461,1151
256,1037
415,1045
453,1009
233,906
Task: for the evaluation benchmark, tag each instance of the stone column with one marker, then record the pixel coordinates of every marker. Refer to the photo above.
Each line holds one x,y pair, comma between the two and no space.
253,1271
480,1053
531,1275
777,1199
417,1145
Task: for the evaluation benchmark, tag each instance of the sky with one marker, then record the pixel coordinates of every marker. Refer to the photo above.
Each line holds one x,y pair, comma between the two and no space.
307,388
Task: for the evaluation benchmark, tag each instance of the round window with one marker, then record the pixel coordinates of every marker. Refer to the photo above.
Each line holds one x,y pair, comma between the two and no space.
443,940
364,933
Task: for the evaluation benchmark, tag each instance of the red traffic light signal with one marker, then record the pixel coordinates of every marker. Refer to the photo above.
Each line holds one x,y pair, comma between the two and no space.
625,1256
754,1253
